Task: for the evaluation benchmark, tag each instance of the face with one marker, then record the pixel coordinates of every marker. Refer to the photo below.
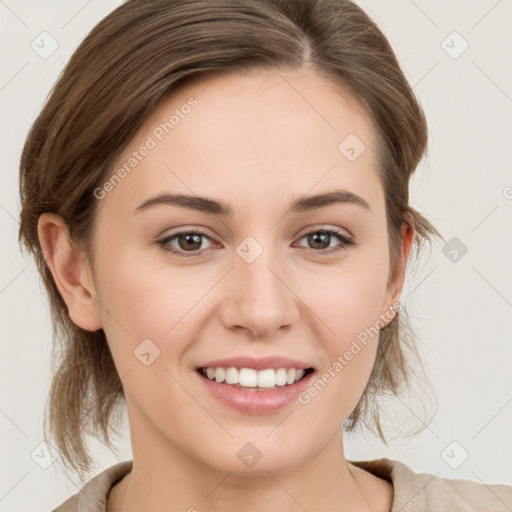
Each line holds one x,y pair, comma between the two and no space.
176,287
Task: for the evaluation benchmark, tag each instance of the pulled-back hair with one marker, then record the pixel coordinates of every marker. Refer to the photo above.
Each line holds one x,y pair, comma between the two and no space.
115,79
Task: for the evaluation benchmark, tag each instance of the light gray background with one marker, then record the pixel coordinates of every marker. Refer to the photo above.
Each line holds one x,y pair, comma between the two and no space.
461,310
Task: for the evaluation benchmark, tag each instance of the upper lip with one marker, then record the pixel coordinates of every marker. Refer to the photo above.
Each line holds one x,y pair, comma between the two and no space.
257,363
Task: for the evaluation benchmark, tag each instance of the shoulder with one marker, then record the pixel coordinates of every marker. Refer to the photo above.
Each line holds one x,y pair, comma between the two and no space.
425,492
94,494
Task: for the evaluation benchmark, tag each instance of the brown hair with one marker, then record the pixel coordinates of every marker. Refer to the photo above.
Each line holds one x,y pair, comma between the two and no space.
112,83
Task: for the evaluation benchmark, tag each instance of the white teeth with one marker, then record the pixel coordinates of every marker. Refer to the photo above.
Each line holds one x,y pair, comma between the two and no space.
266,378
231,376
281,377
248,377
220,374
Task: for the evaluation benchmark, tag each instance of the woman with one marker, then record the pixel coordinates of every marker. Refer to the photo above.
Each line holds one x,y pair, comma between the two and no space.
216,194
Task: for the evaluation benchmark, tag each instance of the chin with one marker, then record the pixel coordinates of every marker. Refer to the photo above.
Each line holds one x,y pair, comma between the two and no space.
253,459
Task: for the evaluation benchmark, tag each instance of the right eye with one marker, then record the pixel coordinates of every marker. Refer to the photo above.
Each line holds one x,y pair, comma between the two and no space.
186,239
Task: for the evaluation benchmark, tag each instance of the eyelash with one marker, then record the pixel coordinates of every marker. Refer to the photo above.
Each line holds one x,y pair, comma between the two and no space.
345,242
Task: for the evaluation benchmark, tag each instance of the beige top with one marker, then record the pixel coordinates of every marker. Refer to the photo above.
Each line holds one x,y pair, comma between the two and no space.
413,492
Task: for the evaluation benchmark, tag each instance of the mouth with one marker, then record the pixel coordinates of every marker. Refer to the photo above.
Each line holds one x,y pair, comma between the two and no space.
250,379
249,391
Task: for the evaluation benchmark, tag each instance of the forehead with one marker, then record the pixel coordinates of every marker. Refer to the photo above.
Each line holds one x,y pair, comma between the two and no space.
252,138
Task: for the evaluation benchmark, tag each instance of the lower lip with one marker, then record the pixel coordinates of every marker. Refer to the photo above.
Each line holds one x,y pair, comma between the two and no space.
256,402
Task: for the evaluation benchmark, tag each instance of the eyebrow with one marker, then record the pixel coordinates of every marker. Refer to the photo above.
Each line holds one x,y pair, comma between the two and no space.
214,207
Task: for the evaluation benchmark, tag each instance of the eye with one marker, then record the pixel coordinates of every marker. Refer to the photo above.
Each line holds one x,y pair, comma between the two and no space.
189,243
320,239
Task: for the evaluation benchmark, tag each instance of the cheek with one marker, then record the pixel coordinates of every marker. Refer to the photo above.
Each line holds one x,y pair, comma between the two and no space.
349,298
347,303
148,300
142,297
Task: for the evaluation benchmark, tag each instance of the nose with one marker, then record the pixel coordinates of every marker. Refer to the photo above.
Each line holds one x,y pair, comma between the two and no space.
259,297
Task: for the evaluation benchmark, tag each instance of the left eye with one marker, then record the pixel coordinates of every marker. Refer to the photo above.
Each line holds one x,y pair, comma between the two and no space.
320,236
189,242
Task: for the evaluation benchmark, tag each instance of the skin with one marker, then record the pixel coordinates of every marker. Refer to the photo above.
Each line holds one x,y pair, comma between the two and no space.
256,140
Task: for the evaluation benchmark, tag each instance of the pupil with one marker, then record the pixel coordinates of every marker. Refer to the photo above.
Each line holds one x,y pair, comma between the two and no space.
315,236
196,240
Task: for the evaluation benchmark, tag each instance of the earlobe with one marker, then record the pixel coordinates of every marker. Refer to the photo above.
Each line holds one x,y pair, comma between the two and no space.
70,271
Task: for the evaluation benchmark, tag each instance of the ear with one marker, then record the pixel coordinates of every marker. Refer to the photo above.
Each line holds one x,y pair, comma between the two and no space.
71,271
396,283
